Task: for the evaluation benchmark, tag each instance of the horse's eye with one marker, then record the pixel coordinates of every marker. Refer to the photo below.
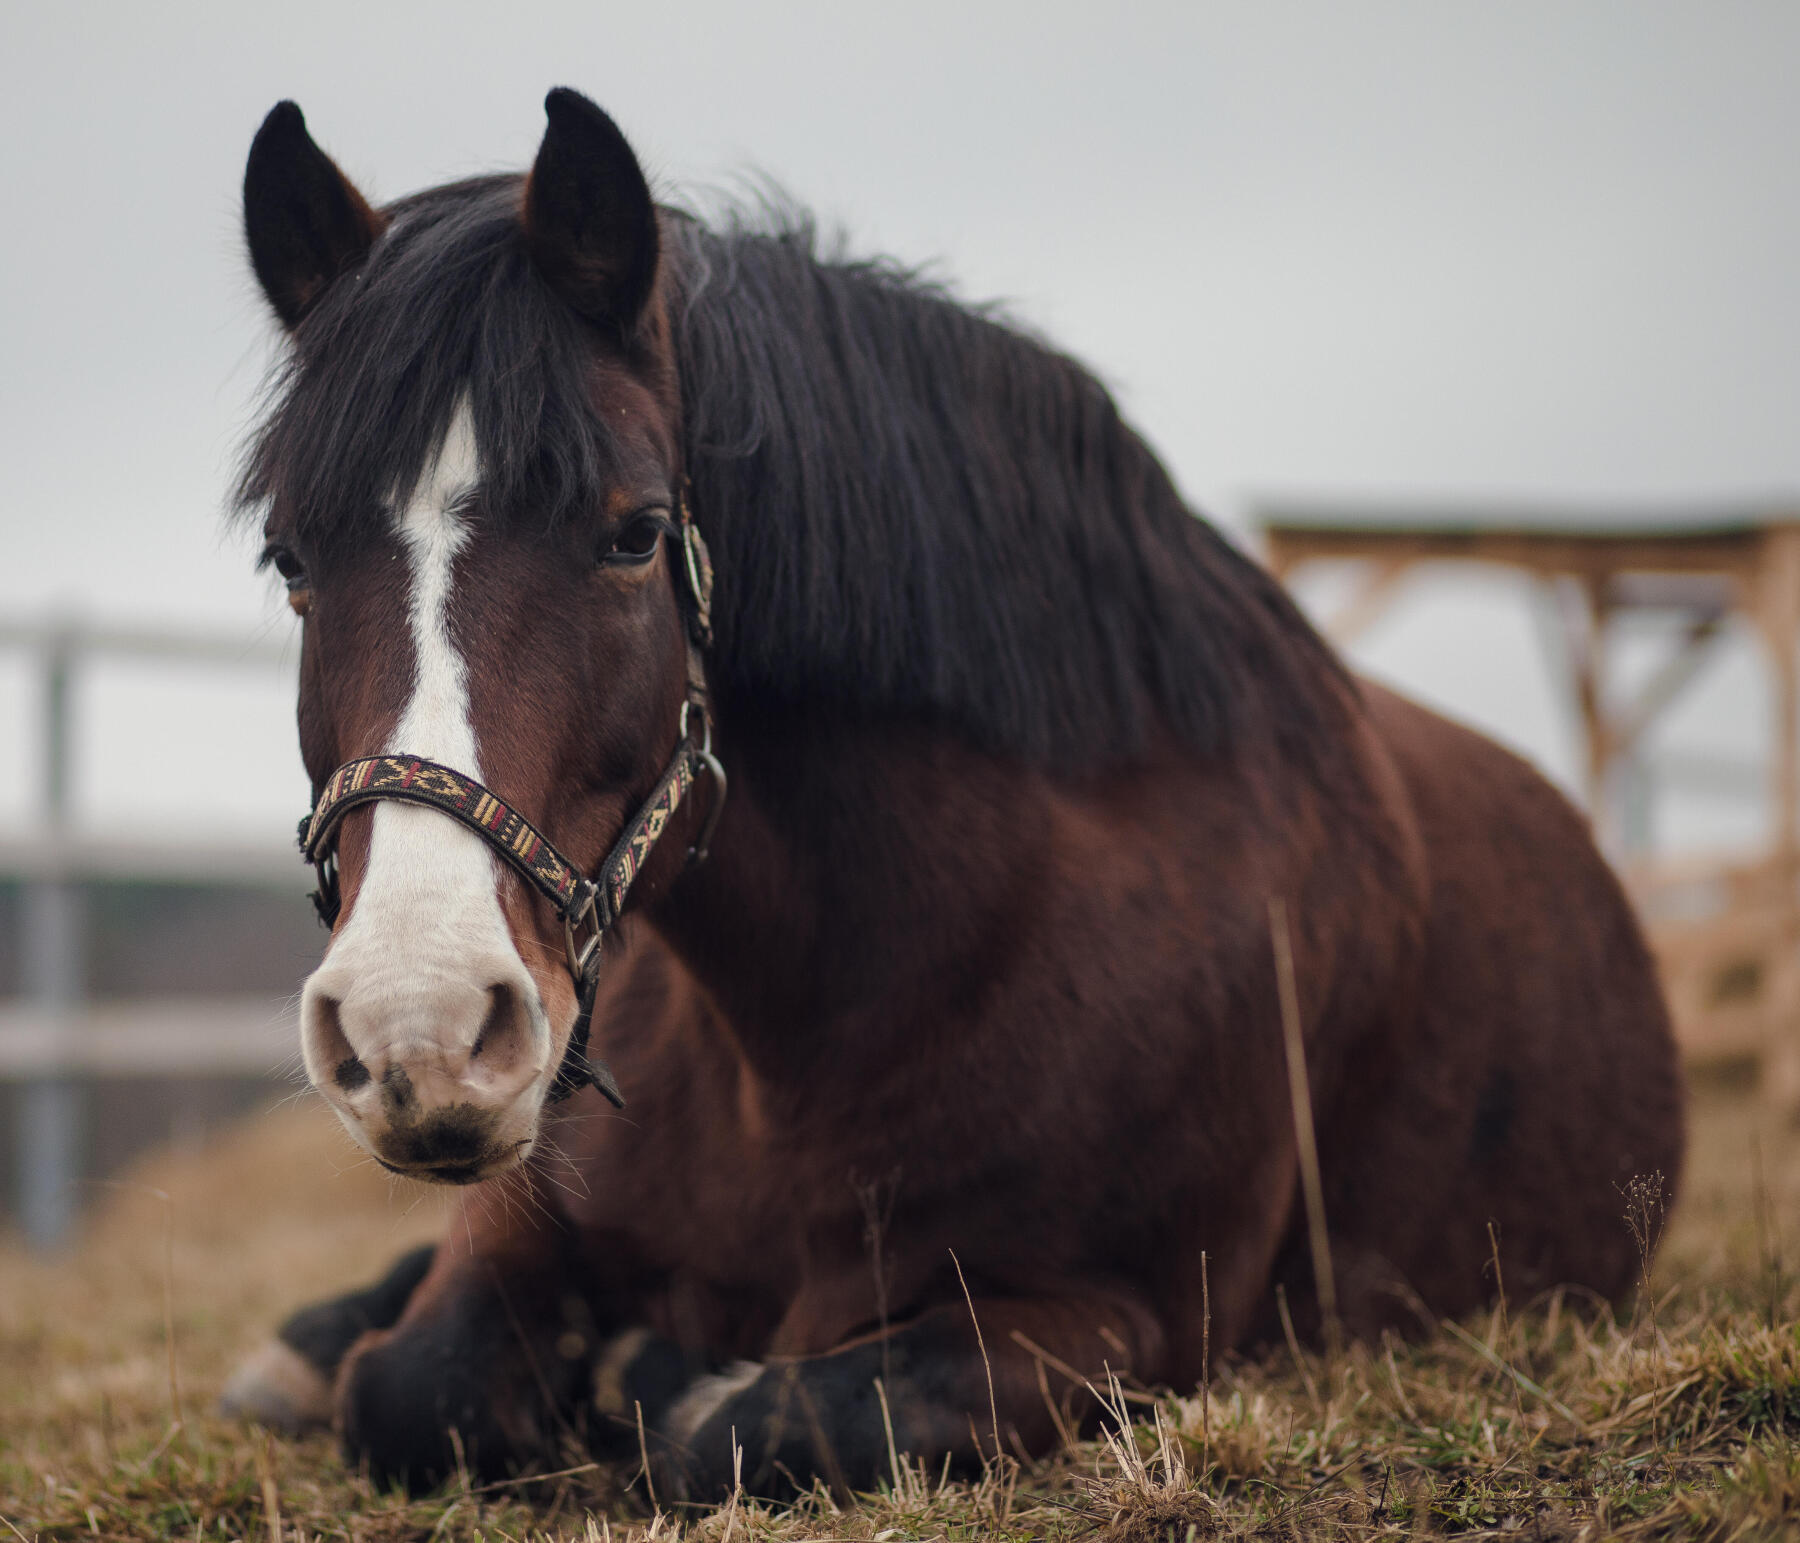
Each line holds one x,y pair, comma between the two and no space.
293,574
637,542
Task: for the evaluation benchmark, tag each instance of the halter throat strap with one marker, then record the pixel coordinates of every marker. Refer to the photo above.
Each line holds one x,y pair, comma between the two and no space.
587,907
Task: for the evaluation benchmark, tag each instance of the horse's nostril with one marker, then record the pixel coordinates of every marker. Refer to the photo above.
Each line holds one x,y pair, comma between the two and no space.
505,1033
331,1046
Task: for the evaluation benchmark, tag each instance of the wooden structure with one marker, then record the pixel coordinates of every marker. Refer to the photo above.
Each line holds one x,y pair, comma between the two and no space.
1727,934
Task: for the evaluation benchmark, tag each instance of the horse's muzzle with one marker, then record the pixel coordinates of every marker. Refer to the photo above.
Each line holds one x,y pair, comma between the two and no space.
436,1078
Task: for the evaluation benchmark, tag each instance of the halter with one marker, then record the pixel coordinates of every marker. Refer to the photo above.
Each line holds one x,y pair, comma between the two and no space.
587,908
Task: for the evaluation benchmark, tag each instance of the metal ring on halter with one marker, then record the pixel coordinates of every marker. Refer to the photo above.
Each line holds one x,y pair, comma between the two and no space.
326,898
704,750
715,807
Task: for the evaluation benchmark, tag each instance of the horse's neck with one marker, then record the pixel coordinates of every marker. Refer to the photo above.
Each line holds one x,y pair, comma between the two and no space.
849,867
867,882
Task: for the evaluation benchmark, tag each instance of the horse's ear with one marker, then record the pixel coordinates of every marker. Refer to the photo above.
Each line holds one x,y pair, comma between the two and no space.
588,213
304,221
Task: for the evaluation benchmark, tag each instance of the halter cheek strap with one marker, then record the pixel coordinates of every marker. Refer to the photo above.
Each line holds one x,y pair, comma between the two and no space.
587,908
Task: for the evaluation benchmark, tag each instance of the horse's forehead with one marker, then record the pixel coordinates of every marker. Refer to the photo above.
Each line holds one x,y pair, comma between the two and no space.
638,429
451,474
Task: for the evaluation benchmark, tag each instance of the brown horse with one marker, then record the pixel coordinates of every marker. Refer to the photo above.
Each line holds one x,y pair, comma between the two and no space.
963,1050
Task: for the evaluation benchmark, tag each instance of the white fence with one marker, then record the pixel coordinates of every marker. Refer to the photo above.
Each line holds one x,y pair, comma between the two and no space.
51,1036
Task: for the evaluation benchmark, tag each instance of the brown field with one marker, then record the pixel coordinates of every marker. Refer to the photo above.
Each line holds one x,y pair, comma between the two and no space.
1676,1419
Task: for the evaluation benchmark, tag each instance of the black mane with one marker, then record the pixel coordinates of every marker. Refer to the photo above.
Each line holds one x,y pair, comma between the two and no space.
914,509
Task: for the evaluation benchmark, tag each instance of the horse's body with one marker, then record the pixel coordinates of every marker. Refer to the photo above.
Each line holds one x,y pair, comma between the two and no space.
964,1047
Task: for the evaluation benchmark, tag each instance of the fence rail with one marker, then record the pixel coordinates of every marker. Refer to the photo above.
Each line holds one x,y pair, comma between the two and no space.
249,1035
105,857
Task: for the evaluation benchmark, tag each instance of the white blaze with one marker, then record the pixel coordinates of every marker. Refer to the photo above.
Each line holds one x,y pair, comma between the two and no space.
427,938
436,723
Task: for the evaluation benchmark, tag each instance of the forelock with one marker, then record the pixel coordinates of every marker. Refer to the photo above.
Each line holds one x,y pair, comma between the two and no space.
447,306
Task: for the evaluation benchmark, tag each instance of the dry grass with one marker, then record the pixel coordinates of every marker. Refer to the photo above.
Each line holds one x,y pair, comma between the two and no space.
1546,1421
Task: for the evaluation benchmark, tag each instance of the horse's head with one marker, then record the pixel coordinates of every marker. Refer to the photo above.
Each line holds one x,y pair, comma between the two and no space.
468,482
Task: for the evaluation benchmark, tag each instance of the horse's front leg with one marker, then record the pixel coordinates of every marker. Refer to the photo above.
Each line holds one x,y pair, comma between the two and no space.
287,1383
945,1391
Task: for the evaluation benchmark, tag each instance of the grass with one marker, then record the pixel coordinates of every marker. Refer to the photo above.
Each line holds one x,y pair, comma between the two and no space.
1675,1418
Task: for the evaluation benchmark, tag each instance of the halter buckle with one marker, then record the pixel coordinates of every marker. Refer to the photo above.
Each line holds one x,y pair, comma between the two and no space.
698,562
584,911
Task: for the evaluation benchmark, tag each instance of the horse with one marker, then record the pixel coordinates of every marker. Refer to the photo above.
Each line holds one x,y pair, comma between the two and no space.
810,685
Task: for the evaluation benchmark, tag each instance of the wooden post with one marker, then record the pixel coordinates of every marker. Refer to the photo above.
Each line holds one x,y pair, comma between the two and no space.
1581,608
1773,599
1774,603
1375,587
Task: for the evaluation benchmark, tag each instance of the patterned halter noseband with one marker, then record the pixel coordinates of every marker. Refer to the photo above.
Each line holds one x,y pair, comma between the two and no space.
586,907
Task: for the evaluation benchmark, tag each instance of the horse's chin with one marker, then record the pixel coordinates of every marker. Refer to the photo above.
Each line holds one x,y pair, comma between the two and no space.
457,1175
401,1154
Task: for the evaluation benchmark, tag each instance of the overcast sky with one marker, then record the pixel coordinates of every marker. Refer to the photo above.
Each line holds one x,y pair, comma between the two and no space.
1432,248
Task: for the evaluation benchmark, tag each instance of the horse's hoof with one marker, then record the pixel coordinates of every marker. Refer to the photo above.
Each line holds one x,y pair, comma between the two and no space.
278,1387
